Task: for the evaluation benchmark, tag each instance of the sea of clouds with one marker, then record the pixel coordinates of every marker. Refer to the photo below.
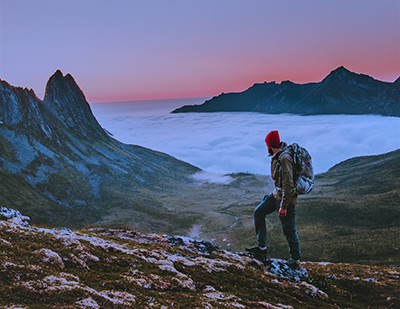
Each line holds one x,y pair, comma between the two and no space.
224,143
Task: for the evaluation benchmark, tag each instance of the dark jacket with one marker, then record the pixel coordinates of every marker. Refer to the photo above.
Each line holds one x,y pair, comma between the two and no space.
282,166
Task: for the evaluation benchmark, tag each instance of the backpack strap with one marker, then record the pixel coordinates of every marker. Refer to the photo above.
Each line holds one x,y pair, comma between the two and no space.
295,149
279,168
280,173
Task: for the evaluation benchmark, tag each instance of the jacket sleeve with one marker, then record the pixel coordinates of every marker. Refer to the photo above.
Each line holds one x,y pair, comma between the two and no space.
289,196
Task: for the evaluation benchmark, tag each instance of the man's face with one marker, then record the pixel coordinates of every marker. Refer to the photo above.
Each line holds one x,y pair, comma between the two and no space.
270,151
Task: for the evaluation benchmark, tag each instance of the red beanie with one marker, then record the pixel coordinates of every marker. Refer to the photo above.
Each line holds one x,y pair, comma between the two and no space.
273,139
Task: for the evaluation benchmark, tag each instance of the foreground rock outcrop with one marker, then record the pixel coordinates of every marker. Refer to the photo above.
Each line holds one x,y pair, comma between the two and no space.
122,268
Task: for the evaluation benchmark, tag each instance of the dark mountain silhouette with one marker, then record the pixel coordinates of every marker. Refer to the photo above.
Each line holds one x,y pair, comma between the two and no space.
341,92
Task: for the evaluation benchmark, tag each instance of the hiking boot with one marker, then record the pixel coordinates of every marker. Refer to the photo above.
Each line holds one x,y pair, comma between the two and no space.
257,251
293,264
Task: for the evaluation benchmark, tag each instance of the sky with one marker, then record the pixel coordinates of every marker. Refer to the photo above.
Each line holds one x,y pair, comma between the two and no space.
128,50
222,143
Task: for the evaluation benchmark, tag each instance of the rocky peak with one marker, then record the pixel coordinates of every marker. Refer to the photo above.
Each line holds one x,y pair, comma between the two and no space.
66,101
64,109
58,85
339,74
17,105
342,76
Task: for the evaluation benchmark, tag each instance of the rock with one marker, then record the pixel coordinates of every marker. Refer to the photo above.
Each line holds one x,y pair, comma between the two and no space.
15,215
87,303
202,247
51,257
314,292
280,268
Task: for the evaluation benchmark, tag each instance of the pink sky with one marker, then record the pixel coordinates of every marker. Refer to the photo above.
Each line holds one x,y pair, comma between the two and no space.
136,50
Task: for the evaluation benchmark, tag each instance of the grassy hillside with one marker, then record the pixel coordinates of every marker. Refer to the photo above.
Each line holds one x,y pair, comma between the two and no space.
122,268
352,214
356,205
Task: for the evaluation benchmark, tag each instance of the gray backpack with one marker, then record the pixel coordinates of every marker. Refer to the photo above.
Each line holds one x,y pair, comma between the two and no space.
303,172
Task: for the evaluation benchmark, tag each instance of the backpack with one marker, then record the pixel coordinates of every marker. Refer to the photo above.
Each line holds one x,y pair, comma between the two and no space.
303,172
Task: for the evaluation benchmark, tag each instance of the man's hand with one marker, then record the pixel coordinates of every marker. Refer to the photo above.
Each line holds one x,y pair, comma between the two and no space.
282,212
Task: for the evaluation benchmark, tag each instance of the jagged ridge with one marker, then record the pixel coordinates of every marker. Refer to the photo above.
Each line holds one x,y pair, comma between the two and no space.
67,166
341,92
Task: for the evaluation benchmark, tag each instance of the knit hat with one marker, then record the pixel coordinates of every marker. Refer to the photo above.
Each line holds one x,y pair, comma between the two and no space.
273,139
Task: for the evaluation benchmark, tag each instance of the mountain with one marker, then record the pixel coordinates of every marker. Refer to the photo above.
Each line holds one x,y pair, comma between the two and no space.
124,268
61,168
341,92
58,165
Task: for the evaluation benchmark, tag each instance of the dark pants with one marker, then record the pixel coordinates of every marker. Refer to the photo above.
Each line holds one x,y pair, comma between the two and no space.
267,206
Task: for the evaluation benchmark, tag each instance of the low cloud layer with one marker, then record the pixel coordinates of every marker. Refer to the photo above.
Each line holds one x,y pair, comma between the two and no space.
234,142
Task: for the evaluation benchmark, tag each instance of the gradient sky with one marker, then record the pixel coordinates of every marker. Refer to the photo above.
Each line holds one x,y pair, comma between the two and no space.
133,50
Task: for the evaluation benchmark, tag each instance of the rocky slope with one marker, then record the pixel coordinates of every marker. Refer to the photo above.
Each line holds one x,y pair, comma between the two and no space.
122,268
341,92
55,155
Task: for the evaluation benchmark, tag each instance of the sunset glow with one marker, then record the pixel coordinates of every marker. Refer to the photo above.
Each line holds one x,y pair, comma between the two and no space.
136,50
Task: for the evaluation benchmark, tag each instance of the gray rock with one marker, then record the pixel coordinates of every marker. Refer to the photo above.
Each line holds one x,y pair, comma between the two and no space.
8,213
50,257
280,268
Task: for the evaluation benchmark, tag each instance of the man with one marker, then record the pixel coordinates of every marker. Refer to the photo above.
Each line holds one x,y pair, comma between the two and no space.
282,199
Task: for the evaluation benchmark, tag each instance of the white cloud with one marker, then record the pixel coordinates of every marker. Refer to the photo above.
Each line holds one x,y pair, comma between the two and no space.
212,177
234,142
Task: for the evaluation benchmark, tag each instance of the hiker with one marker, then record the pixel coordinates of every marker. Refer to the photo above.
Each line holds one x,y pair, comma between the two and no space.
283,199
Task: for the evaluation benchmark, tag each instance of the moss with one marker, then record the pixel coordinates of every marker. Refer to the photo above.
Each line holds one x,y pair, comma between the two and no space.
344,283
57,299
115,269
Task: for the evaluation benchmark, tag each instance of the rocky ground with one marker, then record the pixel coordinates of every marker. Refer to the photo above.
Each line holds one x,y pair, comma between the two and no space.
123,268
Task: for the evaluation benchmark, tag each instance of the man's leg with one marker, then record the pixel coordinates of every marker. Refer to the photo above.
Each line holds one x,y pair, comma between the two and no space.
267,206
289,229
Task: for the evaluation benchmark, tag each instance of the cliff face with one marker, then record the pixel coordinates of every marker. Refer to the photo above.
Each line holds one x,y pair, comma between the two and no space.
341,92
122,268
65,103
55,157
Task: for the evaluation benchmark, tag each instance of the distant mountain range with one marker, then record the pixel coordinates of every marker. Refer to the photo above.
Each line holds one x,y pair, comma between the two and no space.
341,92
